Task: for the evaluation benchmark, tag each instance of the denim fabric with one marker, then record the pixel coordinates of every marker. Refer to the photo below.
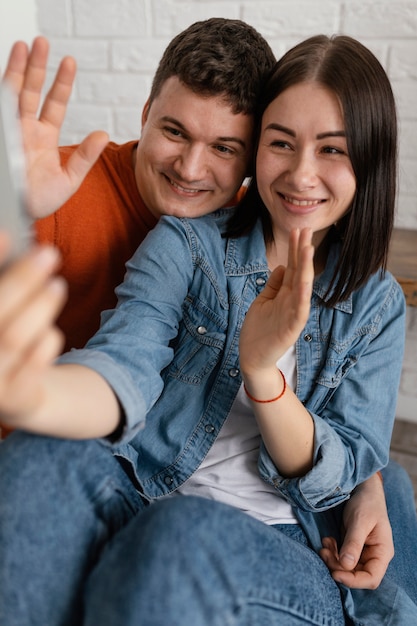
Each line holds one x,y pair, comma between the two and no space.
401,506
78,546
176,327
61,502
223,568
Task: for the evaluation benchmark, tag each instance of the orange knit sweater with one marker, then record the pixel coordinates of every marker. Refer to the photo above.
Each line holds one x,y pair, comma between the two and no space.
97,230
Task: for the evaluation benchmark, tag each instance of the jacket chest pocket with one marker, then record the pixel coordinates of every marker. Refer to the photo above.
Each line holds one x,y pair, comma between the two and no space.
329,379
199,345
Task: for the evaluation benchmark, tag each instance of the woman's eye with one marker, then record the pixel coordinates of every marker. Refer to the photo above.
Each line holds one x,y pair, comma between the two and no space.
280,144
332,150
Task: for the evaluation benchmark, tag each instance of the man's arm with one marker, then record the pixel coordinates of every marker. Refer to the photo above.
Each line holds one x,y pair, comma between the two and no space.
367,547
50,184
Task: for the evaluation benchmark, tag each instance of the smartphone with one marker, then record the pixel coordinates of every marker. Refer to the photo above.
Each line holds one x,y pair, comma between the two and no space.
14,216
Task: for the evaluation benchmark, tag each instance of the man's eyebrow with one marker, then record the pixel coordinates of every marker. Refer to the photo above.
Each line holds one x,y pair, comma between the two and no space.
172,120
288,131
225,139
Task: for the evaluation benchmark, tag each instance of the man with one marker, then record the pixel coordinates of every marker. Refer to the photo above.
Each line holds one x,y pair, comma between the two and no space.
193,154
194,151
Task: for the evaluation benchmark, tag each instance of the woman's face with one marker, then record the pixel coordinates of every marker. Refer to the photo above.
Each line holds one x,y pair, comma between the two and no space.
304,174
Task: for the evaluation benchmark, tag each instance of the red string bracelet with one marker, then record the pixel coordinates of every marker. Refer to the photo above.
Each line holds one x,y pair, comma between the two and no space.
272,399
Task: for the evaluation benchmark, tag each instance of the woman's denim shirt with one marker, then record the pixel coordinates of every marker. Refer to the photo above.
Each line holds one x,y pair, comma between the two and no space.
176,329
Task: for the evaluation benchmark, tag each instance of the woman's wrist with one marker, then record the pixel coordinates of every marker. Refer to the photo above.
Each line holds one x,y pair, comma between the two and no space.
274,399
265,387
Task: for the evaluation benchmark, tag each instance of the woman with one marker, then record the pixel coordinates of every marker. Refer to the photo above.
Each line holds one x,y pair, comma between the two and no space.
195,321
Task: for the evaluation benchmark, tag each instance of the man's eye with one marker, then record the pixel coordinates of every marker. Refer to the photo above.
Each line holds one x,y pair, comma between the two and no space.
224,149
173,131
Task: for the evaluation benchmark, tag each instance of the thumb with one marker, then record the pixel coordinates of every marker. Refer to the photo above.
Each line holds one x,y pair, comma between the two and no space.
84,157
351,549
274,283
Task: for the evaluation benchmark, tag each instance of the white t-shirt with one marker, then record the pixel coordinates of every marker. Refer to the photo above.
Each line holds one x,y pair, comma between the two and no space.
229,473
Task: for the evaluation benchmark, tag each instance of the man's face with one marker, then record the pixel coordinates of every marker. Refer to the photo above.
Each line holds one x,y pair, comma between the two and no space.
193,153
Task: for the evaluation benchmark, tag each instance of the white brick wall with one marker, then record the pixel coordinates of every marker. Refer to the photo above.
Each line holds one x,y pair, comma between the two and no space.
118,45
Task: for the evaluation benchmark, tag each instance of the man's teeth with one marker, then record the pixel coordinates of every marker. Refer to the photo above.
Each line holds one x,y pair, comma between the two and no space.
174,184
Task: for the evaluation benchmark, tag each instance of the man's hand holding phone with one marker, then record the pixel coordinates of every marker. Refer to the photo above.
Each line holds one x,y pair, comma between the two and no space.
31,297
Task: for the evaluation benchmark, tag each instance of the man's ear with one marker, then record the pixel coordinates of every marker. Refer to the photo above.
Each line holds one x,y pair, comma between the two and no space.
145,112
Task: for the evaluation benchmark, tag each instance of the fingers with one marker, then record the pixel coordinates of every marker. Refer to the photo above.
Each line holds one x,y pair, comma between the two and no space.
30,299
300,255
56,101
26,72
330,553
363,571
84,157
299,275
367,574
24,278
16,65
274,283
351,549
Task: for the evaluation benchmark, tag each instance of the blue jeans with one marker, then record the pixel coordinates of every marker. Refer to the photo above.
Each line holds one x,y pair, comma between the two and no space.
79,546
401,506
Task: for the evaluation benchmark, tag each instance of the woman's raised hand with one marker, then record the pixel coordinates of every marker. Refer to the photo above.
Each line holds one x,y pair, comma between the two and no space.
279,314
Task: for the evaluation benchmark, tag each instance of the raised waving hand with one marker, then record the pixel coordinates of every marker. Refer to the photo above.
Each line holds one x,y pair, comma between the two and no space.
50,183
272,325
279,314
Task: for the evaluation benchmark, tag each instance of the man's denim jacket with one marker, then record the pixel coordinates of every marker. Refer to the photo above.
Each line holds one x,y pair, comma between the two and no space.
176,330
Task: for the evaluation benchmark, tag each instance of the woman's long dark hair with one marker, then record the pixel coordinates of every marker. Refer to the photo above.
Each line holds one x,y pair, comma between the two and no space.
353,73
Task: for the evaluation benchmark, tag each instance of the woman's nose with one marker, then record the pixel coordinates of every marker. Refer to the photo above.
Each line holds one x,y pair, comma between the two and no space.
303,172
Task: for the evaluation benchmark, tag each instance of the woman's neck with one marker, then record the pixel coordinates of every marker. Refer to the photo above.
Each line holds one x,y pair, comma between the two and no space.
277,253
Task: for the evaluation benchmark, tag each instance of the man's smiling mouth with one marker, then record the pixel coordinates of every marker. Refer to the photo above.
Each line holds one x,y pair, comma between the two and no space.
186,190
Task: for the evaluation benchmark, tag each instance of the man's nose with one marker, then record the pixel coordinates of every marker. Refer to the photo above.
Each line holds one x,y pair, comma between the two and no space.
191,164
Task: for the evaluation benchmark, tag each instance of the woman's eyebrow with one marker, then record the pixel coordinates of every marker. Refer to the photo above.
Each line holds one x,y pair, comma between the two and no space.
332,133
284,129
292,133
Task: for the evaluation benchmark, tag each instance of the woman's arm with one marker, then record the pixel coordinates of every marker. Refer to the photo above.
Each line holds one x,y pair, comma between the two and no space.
272,325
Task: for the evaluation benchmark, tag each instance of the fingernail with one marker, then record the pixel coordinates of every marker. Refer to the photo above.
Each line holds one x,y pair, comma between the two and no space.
347,558
58,285
45,256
